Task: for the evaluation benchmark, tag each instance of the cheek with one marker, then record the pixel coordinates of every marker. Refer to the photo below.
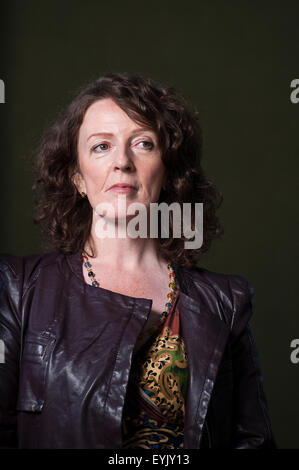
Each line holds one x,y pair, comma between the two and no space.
156,176
152,181
94,177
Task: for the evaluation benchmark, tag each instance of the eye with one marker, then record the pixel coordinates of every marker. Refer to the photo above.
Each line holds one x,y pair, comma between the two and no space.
100,147
146,144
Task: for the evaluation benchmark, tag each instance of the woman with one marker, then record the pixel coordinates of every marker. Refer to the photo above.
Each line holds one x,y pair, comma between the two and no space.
121,341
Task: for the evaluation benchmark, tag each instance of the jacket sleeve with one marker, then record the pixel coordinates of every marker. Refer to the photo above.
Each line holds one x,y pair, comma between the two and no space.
10,350
251,421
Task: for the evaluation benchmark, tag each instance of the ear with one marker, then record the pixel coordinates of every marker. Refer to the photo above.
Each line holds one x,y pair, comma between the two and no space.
79,182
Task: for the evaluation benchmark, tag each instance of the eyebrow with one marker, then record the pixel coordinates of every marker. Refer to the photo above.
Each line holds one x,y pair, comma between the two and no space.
109,134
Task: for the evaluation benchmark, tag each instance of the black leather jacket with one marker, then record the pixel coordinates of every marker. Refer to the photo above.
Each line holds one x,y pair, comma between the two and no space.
68,349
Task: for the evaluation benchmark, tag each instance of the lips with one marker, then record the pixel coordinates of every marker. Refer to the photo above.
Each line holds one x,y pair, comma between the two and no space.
123,185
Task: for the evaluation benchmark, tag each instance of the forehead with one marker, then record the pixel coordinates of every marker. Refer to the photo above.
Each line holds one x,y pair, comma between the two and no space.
106,116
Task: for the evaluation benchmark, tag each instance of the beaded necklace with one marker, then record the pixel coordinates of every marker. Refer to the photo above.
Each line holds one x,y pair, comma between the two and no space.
172,287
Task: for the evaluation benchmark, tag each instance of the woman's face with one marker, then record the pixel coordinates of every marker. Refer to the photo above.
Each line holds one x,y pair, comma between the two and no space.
113,149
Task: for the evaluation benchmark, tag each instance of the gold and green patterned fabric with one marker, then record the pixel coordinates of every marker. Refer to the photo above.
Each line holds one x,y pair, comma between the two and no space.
153,416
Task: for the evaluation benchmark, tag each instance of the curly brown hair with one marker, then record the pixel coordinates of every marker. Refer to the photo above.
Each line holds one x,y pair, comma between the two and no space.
67,217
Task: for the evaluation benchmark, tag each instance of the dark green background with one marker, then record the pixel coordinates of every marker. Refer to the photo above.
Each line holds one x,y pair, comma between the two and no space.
234,62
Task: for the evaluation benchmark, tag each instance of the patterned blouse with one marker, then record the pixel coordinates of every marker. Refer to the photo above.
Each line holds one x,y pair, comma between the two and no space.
153,416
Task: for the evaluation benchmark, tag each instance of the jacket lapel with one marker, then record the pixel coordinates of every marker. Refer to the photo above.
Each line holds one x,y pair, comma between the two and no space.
205,336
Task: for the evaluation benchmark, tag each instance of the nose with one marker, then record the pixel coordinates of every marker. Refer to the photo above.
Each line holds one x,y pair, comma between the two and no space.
123,160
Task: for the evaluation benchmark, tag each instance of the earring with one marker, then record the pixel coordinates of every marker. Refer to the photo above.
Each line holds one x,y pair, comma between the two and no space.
83,194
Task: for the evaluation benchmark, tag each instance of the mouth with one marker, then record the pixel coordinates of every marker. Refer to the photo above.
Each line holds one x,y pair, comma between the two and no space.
122,188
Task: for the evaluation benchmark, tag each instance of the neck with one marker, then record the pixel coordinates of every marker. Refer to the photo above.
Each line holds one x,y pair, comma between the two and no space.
129,254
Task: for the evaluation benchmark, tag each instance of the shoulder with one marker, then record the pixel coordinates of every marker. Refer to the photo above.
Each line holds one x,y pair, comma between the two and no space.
19,277
232,292
234,286
231,287
22,270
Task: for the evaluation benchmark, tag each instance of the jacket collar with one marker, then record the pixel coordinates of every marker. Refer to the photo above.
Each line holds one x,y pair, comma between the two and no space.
75,263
